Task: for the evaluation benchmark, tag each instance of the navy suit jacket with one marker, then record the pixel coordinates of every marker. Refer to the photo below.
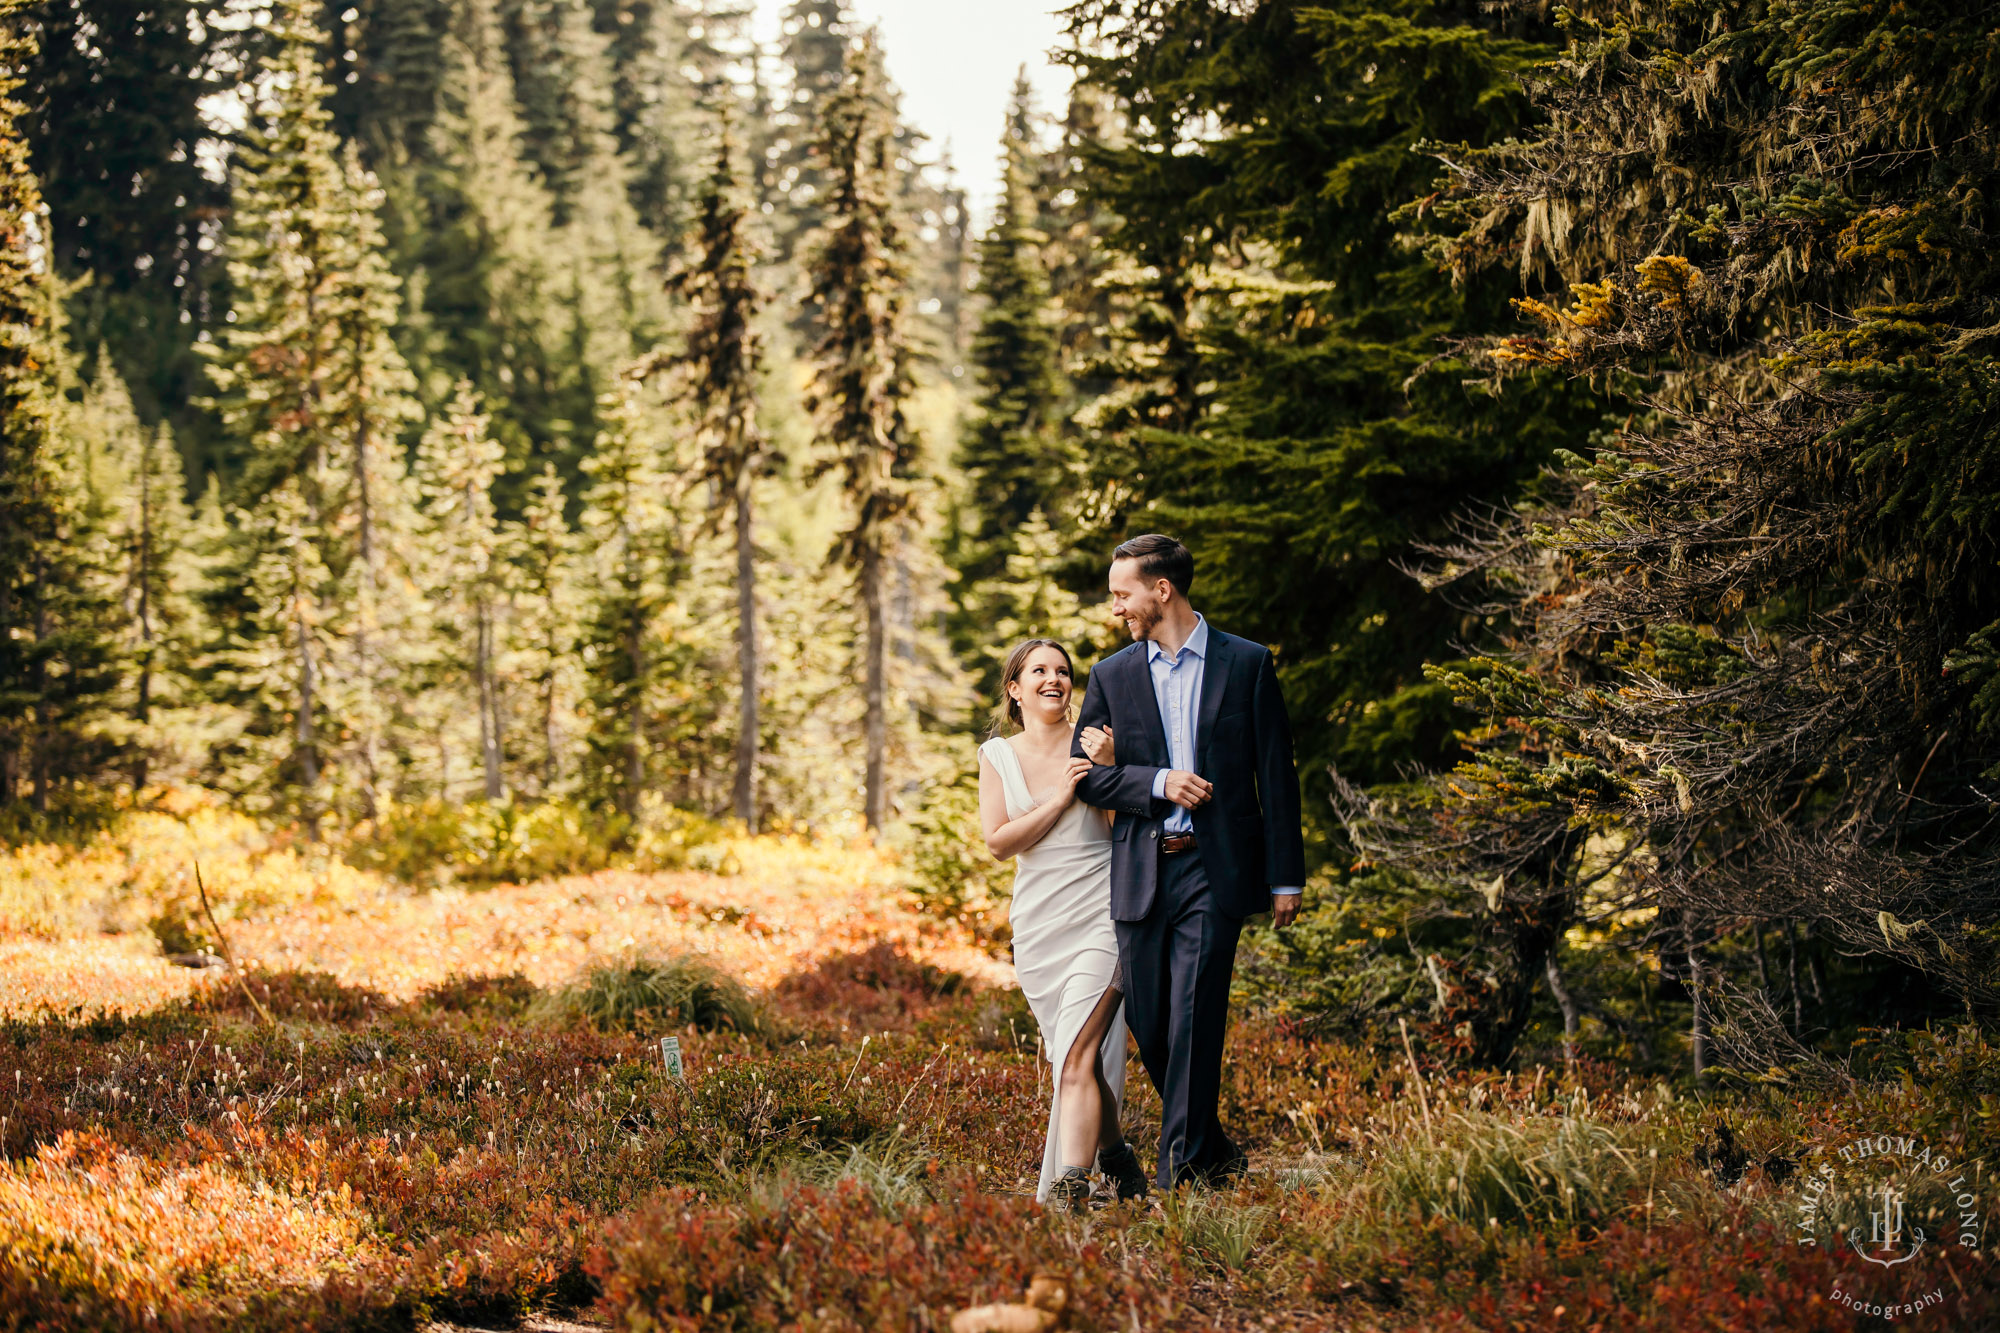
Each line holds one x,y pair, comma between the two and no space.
1248,832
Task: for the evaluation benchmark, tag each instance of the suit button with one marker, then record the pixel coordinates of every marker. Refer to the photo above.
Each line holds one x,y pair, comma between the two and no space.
1154,834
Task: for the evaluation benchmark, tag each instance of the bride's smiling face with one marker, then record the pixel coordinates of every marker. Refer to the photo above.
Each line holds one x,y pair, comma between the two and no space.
1043,687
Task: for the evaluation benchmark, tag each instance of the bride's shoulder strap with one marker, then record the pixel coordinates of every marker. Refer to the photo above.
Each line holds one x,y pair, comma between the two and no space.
1008,765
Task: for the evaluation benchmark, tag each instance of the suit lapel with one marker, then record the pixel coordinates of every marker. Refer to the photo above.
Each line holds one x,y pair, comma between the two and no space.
1214,680
1140,696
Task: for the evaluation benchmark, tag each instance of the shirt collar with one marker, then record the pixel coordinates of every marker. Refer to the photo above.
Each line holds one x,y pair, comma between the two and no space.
1197,642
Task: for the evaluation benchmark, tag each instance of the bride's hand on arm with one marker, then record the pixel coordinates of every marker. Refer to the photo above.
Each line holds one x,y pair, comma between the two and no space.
1096,742
1007,838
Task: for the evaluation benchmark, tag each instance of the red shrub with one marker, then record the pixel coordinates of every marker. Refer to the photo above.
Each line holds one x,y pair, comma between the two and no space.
1674,1277
878,989
841,1259
291,994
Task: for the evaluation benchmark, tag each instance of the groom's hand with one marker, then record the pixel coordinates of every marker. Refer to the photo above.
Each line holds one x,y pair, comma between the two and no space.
1187,790
1284,908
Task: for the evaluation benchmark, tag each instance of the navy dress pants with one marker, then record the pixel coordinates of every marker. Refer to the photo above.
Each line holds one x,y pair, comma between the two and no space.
1177,964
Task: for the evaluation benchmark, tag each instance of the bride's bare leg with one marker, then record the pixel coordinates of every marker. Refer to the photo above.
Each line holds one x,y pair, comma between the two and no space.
1089,1111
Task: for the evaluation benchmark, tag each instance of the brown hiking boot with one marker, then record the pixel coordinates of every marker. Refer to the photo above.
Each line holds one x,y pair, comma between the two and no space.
1071,1190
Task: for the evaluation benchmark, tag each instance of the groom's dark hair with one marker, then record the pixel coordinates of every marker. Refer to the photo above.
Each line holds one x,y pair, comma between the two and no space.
1159,557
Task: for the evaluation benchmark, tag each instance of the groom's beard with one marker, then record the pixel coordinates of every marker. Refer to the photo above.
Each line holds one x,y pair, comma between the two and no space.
1142,624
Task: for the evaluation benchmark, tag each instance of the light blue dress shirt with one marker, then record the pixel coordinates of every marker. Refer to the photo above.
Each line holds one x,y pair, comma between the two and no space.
1177,688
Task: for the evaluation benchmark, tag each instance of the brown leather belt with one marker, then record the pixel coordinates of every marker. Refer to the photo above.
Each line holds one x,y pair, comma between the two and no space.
1176,843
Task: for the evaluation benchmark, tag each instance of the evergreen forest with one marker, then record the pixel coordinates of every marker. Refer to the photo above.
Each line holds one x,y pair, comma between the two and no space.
588,451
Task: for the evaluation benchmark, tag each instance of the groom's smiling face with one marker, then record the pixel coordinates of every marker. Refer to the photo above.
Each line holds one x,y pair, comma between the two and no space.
1134,600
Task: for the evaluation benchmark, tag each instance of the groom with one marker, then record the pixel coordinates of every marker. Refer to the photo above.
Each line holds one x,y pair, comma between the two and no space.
1206,832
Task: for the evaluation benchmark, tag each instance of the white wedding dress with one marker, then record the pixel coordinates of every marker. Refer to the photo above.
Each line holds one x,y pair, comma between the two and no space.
1065,950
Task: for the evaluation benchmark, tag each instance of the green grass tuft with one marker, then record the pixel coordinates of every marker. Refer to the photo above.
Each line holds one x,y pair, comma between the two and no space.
1482,1167
1213,1229
648,994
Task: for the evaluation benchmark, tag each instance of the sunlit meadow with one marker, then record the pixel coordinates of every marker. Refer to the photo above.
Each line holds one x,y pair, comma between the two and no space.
420,1106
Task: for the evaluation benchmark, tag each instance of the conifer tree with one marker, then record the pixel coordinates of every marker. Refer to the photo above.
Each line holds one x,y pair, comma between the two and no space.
628,528
457,463
562,82
1028,598
488,255
1266,327
862,378
313,391
1014,457
114,91
56,652
559,290
659,69
138,495
543,598
721,365
384,72
814,53
1075,223
1753,636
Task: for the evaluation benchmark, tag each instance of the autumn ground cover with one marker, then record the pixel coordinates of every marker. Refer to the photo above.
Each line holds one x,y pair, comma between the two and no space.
409,1113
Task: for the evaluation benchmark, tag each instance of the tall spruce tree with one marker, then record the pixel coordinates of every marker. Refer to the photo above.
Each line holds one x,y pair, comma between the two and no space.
543,605
863,374
1028,599
56,652
721,365
314,394
457,463
114,91
138,496
628,525
1282,390
1753,635
1285,391
491,290
1013,454
1074,222
385,66
814,53
657,74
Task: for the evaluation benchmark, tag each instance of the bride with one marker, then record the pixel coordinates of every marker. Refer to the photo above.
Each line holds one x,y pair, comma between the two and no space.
1065,951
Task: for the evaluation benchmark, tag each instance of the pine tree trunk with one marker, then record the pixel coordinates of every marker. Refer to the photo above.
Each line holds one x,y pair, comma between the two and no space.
44,739
363,645
635,759
746,647
1565,1002
305,739
1792,976
1814,974
143,709
489,706
549,765
1698,1026
10,746
871,600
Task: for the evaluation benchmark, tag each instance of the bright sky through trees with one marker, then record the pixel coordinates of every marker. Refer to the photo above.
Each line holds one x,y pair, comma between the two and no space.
955,61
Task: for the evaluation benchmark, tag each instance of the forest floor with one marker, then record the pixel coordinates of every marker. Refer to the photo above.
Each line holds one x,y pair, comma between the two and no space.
403,1131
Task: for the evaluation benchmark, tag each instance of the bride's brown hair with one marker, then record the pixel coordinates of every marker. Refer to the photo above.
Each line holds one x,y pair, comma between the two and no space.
1008,711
